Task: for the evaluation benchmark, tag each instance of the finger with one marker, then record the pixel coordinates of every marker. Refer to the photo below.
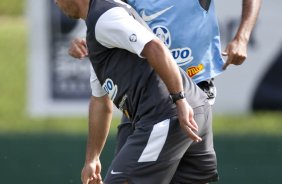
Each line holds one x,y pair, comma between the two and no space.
72,53
225,66
83,42
85,52
97,181
80,52
92,182
99,178
225,53
192,135
83,46
86,181
194,125
83,49
78,48
192,122
228,62
75,52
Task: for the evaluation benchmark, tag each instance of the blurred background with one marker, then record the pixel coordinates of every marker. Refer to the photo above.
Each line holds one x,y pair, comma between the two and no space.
44,98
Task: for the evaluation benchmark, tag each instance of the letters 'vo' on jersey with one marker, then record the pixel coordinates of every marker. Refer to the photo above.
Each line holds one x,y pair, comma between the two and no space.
189,31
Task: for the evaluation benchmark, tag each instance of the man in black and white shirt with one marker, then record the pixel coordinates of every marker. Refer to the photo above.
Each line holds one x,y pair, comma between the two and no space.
138,73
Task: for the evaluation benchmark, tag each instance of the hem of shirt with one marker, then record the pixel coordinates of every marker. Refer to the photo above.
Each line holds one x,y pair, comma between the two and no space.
208,77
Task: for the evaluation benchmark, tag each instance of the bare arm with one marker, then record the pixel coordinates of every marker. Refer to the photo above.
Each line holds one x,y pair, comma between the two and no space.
100,115
236,50
161,60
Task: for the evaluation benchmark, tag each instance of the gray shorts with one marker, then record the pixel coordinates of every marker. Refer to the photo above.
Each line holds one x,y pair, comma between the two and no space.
162,153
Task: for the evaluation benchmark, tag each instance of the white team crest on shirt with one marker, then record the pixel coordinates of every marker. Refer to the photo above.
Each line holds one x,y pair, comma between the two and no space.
163,34
133,38
110,88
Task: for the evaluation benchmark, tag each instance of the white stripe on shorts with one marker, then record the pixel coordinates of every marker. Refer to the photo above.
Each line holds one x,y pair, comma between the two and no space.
156,142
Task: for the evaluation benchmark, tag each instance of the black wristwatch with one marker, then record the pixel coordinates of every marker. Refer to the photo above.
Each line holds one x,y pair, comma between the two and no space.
177,96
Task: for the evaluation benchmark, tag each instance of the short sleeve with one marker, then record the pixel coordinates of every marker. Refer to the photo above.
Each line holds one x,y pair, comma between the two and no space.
96,87
117,29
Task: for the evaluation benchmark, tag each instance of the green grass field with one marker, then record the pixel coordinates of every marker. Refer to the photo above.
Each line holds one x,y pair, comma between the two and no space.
12,7
14,119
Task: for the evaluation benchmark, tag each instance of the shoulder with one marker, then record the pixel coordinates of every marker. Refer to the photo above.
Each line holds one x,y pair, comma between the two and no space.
104,11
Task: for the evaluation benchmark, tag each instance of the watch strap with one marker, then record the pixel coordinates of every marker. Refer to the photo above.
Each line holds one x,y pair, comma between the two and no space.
177,96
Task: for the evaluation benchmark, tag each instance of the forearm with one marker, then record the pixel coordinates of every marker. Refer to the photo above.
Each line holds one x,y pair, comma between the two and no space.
250,11
100,115
163,63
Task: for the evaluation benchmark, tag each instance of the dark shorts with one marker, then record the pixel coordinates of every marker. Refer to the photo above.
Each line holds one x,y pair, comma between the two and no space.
162,153
125,128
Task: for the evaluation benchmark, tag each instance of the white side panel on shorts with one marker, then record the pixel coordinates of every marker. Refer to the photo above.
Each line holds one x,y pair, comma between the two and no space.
156,142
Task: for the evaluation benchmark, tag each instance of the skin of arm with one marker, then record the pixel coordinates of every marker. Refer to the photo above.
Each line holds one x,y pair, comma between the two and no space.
236,50
160,58
100,116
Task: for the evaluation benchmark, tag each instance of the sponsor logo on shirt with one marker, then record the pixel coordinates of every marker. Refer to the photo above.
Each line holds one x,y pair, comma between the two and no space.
163,34
194,70
148,18
114,172
110,88
182,56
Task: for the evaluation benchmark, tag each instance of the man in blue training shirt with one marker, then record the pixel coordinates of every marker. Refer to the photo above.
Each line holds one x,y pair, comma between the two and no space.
190,30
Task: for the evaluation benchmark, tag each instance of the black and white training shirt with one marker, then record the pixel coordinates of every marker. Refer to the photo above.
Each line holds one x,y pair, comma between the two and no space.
115,41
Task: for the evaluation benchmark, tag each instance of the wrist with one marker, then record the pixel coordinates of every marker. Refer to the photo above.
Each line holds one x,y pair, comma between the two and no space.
91,160
242,38
175,97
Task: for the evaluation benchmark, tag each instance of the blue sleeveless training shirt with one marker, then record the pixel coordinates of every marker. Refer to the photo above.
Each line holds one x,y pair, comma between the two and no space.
189,31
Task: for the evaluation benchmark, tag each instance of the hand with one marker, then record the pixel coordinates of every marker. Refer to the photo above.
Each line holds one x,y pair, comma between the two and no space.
91,173
78,48
185,116
236,52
